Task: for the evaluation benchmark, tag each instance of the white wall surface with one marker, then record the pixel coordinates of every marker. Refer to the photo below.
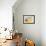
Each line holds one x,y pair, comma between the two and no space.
43,22
6,13
29,7
35,31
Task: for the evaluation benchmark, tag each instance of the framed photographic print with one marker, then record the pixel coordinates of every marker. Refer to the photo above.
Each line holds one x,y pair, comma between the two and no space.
28,19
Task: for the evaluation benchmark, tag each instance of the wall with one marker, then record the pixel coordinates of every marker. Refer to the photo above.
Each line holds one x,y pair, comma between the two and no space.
28,7
43,22
6,13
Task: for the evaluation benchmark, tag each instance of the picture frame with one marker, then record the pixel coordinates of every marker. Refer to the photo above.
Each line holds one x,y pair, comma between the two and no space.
28,19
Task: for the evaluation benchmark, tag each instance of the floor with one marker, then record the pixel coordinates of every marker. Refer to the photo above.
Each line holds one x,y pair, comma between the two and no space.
9,43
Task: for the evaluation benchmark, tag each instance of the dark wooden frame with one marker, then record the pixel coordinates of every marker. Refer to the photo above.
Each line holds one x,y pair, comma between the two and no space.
29,15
